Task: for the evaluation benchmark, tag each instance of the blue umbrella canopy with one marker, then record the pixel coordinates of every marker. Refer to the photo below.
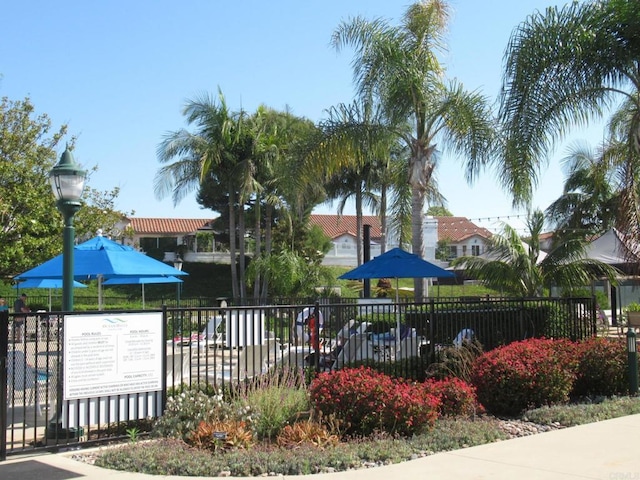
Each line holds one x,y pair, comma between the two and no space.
140,280
396,263
45,283
101,257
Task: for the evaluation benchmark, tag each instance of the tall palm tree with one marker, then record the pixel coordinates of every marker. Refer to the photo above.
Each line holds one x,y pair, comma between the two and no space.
520,268
214,149
588,203
564,67
355,137
397,65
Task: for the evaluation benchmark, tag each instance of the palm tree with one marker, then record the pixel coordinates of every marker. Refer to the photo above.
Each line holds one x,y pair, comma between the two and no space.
212,152
522,269
564,67
354,137
588,203
398,67
279,175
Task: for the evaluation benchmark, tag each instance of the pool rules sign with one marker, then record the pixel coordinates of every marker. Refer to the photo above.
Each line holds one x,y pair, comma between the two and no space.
112,354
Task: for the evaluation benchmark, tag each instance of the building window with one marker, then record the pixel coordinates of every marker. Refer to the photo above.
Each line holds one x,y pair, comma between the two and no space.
475,250
453,252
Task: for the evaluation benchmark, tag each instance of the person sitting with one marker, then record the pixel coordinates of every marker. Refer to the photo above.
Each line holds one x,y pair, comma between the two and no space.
20,307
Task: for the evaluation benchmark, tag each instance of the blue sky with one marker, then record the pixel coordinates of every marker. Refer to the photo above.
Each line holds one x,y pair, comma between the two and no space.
119,72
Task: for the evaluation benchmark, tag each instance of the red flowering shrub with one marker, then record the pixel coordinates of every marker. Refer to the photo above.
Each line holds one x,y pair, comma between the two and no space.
366,401
525,374
456,396
602,368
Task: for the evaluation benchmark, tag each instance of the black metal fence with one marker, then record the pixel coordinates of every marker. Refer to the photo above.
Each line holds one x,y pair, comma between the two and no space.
227,346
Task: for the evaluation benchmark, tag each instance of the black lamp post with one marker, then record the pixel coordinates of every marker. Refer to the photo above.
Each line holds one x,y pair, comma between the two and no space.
67,181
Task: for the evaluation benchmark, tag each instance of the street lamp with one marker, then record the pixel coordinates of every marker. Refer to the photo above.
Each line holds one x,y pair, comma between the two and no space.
67,181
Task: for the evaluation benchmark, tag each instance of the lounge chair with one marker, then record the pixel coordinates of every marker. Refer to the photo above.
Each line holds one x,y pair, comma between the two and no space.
208,337
357,348
252,360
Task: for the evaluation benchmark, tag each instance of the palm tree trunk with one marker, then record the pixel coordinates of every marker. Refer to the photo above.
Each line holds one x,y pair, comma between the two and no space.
267,245
242,252
383,219
258,248
359,225
420,171
417,238
232,243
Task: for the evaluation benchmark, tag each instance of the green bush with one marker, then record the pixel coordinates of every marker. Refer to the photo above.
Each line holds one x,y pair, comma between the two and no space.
366,402
185,410
275,399
602,368
525,374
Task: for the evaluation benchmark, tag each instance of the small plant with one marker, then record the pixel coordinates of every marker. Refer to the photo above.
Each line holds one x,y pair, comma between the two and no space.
275,399
455,361
221,435
306,433
133,434
632,307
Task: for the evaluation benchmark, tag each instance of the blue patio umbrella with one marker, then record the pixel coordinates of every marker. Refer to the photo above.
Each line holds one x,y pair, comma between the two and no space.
49,283
141,281
397,263
46,283
101,258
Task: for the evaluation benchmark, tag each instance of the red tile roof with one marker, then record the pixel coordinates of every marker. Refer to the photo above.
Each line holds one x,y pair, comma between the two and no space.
334,226
457,229
168,225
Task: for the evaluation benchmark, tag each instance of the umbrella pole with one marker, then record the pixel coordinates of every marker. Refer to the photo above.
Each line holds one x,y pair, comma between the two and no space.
397,335
143,296
100,292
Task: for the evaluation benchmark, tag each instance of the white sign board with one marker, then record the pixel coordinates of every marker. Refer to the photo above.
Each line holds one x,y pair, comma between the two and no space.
112,354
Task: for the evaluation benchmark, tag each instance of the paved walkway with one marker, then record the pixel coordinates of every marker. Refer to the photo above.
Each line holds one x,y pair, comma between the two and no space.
605,450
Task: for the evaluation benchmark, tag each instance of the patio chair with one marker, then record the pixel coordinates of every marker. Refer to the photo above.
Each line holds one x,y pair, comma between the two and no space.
357,348
465,335
208,337
252,360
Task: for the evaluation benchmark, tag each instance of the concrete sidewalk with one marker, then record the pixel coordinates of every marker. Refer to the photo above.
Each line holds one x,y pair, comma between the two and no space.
605,450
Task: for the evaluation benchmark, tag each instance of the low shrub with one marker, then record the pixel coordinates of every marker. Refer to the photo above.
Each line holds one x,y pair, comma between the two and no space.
221,435
455,361
525,374
366,401
306,433
457,397
602,368
276,398
185,411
